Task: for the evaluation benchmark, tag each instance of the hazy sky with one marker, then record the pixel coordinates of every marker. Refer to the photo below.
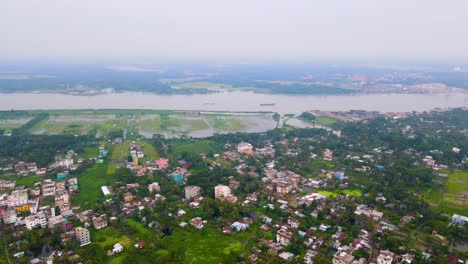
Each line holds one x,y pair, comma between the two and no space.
235,28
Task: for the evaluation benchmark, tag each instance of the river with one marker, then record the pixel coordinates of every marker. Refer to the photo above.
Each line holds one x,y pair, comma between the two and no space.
235,101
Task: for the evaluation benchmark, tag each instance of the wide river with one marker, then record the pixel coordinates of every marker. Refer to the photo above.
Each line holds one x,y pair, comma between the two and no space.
235,101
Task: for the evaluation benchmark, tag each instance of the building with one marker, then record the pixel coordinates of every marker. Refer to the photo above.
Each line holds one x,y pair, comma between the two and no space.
37,220
100,222
128,197
62,200
58,222
283,187
283,236
245,148
48,188
162,163
105,190
82,234
191,192
117,248
385,257
459,219
222,192
17,198
197,222
9,216
154,187
342,257
328,154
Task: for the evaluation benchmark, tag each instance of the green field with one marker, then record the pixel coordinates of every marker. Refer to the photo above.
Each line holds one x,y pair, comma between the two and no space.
90,183
225,123
326,121
206,246
199,146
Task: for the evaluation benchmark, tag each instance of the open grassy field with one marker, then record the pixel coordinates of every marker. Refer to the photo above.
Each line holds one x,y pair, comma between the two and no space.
90,183
76,124
120,152
199,146
13,123
326,121
206,246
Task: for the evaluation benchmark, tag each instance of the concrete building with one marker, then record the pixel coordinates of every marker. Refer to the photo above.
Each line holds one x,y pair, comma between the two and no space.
459,219
283,236
328,154
191,192
33,221
154,187
222,192
100,222
385,257
17,198
342,257
9,216
244,147
82,234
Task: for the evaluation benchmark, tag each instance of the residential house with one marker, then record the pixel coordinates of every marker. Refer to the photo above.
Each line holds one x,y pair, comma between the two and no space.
283,236
100,222
82,234
191,192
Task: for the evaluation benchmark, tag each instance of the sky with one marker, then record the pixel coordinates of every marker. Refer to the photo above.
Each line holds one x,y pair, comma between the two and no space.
323,29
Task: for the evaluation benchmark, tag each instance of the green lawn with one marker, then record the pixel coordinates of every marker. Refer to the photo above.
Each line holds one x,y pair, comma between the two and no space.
27,181
121,152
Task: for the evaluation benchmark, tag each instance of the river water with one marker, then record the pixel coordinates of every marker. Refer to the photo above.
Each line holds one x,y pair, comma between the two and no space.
235,101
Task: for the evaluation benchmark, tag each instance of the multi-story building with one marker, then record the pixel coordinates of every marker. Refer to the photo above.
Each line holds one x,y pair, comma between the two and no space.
191,192
385,257
37,220
17,198
62,200
342,257
328,154
48,188
222,191
283,236
244,147
82,234
100,222
9,216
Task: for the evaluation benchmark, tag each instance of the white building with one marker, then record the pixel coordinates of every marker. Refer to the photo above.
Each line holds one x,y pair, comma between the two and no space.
82,234
18,198
154,187
9,216
459,219
191,192
117,248
244,147
385,257
222,191
33,221
105,190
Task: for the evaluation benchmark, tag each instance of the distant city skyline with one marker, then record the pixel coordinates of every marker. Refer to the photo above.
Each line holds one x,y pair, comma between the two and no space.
207,29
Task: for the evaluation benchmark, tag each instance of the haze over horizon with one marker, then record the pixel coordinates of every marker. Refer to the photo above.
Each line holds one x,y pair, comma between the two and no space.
205,29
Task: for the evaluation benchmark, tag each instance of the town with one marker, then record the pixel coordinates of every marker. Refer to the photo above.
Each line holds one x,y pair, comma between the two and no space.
386,188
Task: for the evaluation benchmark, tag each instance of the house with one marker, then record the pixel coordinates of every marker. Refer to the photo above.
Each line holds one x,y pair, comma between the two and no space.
287,256
154,187
459,219
239,226
283,236
222,192
17,198
33,221
128,197
100,222
245,148
162,163
117,248
385,257
191,192
328,154
140,244
105,190
9,216
197,222
342,257
82,234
